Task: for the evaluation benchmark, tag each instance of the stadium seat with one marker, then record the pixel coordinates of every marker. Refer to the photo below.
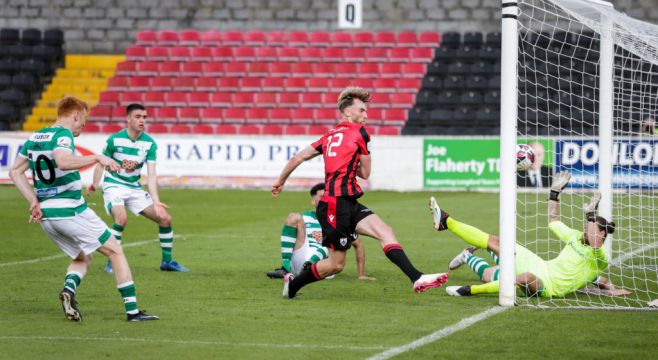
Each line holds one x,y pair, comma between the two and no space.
368,69
303,116
280,116
100,113
212,115
110,128
161,83
275,38
302,69
91,127
254,38
298,38
385,39
9,36
236,69
109,98
493,39
157,53
385,85
395,117
473,39
295,130
318,84
244,53
201,53
311,54
310,100
275,84
202,129
129,97
391,70
147,68
388,130
206,84
136,53
170,68
291,99
198,99
248,129
271,129
233,38
213,68
333,54
258,68
408,85
176,98
221,99
400,100
180,129
235,115
364,83
289,54
280,69
424,55
191,68
341,39
211,38
226,129
414,70
146,37
375,116
251,84
326,116
377,54
154,98
266,53
429,39
165,115
347,70
184,83
222,53
355,55
318,129
126,68
319,38
138,83
245,99
407,39
157,128
167,37
53,37
450,39
189,38
118,83
364,39
339,84
189,115
118,114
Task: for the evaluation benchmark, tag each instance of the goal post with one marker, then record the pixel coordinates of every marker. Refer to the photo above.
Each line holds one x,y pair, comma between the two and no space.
581,79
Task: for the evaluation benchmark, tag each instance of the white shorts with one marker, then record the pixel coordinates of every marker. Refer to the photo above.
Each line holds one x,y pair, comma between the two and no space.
135,200
85,232
300,256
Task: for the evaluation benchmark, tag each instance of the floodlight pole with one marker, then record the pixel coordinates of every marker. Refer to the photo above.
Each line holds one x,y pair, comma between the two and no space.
508,120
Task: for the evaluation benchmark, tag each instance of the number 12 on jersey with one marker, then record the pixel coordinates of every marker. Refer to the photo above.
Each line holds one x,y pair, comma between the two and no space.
333,141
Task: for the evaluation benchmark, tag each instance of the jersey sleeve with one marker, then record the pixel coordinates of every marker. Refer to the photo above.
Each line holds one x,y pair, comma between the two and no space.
108,150
63,140
317,145
562,231
152,153
23,151
363,141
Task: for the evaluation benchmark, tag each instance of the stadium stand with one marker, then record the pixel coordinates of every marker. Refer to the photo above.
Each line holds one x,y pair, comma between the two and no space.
28,61
255,79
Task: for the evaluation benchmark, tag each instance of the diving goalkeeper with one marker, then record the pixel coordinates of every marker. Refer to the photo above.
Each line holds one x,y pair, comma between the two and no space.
580,263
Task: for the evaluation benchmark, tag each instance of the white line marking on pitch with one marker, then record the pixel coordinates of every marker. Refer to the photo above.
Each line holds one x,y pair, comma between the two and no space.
620,260
439,334
191,342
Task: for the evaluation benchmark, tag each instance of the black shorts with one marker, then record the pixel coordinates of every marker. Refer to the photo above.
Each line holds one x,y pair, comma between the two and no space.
338,217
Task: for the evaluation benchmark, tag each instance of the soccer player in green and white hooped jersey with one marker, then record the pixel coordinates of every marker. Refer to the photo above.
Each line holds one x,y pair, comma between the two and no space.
57,204
301,242
131,148
580,263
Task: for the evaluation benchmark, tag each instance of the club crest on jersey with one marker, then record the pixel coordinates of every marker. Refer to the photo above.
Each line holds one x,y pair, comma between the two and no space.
64,142
343,241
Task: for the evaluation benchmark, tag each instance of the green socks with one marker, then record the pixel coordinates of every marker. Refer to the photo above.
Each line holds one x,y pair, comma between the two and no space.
72,280
288,238
166,235
128,293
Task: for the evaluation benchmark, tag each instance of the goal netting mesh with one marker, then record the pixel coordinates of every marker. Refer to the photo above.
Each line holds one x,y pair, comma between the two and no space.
558,93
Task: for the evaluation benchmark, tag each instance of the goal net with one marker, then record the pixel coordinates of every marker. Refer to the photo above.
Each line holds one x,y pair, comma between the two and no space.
563,107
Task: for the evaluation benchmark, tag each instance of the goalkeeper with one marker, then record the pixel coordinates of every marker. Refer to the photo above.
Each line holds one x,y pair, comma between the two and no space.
580,263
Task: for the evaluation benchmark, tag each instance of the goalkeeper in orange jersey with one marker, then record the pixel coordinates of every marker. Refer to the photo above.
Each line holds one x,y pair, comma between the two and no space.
580,263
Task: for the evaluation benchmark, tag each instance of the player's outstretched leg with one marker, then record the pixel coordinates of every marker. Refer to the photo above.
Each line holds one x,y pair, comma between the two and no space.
166,236
74,274
468,233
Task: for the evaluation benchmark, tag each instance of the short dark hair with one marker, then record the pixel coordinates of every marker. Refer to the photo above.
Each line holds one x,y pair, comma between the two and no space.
317,187
132,107
605,225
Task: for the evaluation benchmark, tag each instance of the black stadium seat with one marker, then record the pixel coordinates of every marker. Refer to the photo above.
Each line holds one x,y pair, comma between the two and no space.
9,36
13,96
34,67
53,37
31,37
24,82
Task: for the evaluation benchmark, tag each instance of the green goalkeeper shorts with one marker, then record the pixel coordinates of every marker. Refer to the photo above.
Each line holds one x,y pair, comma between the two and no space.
529,262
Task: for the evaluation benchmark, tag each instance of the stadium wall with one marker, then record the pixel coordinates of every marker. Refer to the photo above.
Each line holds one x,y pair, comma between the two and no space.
109,26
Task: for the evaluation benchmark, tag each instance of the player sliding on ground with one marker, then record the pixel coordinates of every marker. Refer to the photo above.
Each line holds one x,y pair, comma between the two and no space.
580,263
346,155
131,148
57,204
301,242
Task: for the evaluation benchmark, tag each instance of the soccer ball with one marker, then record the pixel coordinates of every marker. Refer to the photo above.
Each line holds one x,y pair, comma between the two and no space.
524,157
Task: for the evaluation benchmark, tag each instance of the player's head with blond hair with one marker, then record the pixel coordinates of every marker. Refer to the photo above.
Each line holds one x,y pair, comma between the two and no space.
72,114
352,104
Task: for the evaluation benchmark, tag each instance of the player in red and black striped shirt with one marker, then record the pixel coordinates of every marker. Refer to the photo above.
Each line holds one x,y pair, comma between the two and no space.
346,156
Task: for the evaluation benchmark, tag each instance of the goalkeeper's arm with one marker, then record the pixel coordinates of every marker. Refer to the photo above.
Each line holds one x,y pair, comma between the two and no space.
608,288
560,181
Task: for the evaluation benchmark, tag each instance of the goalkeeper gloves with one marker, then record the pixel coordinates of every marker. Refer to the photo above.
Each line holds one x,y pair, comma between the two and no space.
560,181
592,207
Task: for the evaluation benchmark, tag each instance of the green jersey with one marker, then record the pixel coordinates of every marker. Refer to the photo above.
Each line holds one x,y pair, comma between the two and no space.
313,228
577,264
59,191
130,155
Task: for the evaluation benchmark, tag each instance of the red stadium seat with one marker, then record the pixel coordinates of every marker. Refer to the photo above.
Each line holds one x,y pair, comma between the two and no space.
118,83
324,69
295,130
339,84
226,129
342,39
249,130
262,99
126,68
146,37
191,68
294,84
157,128
408,85
167,37
356,55
368,69
157,53
189,115
280,116
377,54
318,129
391,70
100,113
176,98
319,38
91,127
244,53
364,39
289,54
311,54
424,55
266,53
318,84
198,99
154,98
381,100
142,83
118,114
407,39
333,54
375,116
398,54
250,83
136,53
203,129
184,83
232,38
221,99
280,69
180,129
213,68
147,68
312,100
346,70
189,38
385,39
429,39
255,38
416,70
201,53
401,100
257,115
111,128
303,116
130,97
302,69
388,130
211,38
298,38
170,68
364,83
165,114
274,83
275,38
161,83
228,84
270,129
207,84
326,116
245,99
234,115
212,115
395,117
386,85
258,69
289,99
236,69
222,53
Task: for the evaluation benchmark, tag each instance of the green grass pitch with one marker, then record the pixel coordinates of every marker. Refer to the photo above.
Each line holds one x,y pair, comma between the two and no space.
227,308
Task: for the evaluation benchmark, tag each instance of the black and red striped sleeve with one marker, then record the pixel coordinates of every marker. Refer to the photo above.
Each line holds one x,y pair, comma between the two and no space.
363,140
317,145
